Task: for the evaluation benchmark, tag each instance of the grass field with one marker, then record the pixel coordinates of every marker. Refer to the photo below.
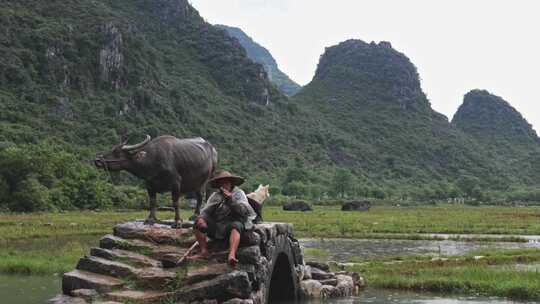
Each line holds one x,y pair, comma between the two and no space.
323,222
52,243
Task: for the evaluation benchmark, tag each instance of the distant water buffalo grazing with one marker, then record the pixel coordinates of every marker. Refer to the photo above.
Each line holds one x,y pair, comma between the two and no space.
356,206
297,206
166,164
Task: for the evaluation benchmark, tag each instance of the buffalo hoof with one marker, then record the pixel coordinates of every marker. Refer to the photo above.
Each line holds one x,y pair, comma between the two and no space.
176,225
151,221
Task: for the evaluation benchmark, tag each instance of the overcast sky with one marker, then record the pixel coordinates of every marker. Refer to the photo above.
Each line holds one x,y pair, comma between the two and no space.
456,45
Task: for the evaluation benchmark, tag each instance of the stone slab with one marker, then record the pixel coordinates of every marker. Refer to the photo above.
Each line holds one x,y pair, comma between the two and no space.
63,299
198,273
154,277
318,274
319,265
159,234
78,279
246,255
113,242
129,257
105,267
235,284
139,297
87,294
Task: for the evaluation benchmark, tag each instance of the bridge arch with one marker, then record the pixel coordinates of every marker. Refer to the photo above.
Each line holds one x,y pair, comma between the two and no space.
282,284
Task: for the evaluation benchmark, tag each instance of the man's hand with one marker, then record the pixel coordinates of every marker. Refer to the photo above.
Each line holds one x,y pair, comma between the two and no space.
226,193
201,225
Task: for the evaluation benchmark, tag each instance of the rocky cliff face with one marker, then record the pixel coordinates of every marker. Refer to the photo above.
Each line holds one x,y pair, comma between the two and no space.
369,101
507,137
488,117
376,71
261,55
82,71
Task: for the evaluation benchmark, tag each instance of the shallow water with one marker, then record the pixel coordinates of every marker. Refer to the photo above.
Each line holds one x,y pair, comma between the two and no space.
16,289
342,250
378,296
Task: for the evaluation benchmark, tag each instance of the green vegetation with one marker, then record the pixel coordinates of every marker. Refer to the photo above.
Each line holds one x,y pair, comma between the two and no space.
42,177
53,242
502,130
468,275
261,55
331,222
43,255
80,73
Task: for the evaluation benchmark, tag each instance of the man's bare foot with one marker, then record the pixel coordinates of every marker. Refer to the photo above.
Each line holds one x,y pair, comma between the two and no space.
199,257
232,261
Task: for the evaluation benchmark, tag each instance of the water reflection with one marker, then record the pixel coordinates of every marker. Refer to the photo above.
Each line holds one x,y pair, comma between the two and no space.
342,250
377,296
16,289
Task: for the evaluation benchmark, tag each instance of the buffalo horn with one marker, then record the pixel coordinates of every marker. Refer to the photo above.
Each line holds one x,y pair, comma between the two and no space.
136,146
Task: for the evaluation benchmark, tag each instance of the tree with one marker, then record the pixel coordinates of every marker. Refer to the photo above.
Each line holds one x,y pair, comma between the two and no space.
296,188
342,183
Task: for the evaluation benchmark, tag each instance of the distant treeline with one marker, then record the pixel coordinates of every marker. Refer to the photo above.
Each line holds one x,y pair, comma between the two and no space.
44,177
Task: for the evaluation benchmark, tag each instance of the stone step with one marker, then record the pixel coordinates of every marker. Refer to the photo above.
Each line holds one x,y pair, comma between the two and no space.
87,294
113,242
157,252
197,273
246,255
185,224
128,257
159,234
234,284
139,297
147,277
79,279
63,299
154,278
106,267
168,253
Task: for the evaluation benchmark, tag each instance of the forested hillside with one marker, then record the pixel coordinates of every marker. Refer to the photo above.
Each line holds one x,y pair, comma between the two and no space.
368,97
75,75
261,55
502,130
81,73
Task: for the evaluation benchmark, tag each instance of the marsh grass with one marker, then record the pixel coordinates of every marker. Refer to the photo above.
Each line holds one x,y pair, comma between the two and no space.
44,255
466,275
45,243
396,221
316,253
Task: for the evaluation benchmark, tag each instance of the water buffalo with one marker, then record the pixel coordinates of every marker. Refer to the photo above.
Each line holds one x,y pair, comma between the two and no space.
166,164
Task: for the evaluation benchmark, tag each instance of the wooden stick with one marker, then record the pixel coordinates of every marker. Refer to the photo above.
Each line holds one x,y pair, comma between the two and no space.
184,257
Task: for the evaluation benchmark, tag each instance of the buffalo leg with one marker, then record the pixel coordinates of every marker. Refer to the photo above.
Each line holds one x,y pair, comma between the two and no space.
175,199
177,219
199,197
152,218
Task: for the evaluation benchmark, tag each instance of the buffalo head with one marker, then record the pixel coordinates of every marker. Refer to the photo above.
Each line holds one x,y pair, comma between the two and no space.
121,155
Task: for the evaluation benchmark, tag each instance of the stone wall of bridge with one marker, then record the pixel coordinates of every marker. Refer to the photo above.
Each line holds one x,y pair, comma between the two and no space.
137,264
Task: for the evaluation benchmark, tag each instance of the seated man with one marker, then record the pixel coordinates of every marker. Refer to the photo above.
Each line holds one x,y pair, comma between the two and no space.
227,214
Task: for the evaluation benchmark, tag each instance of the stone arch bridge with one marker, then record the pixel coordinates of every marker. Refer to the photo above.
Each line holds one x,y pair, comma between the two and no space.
137,264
